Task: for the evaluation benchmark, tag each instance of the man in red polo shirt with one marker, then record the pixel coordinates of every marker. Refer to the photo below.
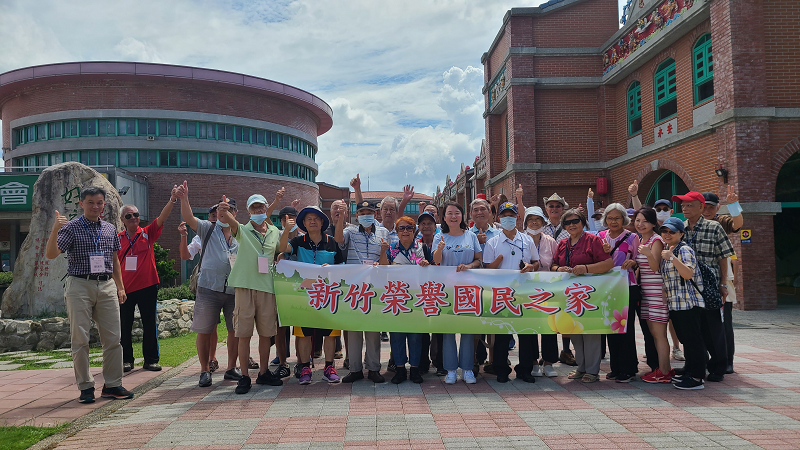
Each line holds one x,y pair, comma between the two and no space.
139,275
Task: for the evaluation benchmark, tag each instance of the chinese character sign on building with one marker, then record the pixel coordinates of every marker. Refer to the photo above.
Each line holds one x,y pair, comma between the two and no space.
437,299
16,192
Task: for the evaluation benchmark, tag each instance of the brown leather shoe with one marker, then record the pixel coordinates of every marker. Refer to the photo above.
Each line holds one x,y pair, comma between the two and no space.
567,358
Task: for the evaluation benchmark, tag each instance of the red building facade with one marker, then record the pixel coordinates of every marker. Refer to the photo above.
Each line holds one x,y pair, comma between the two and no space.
682,89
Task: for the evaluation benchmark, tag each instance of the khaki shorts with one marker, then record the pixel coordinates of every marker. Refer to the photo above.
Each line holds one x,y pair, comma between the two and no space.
255,309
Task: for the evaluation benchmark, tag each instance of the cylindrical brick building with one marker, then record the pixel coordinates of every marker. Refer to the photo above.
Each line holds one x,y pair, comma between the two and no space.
223,132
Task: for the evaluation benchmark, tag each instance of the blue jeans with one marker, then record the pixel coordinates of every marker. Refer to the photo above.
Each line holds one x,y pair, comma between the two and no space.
463,357
398,343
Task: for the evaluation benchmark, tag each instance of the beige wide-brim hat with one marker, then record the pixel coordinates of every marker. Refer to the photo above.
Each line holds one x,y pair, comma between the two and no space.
556,198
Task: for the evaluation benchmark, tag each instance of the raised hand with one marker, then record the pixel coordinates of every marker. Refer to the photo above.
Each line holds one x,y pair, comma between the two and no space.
279,195
633,189
581,208
422,206
665,254
481,237
290,223
182,229
495,199
59,222
408,192
223,206
355,183
518,194
384,246
606,247
440,247
645,250
295,203
733,197
590,194
174,195
341,209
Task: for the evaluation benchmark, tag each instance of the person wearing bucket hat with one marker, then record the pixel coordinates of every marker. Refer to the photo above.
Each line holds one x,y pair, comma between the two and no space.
254,290
313,247
546,246
214,295
554,207
512,250
679,265
364,244
711,246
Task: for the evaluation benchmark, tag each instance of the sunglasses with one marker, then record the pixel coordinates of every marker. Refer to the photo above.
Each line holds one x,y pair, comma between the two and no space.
405,228
129,215
662,209
571,222
668,231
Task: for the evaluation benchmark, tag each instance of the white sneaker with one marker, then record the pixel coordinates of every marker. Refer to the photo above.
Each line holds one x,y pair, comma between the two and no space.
537,370
677,354
451,377
549,371
469,377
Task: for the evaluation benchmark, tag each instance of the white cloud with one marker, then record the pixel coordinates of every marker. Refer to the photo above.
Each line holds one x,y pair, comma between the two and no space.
403,78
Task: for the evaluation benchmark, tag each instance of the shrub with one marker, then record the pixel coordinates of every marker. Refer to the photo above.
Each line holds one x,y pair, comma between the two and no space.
164,266
179,292
6,278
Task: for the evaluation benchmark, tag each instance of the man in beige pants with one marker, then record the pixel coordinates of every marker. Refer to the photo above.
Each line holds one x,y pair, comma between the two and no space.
94,290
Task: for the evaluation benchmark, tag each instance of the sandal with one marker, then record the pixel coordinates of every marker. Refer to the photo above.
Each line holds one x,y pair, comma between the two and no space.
575,375
252,364
213,365
589,378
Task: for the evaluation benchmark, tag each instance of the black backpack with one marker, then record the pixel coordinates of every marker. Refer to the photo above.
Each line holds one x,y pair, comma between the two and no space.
710,293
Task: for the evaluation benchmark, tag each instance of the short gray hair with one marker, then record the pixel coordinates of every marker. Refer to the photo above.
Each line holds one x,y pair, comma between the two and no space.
390,199
620,209
125,208
480,200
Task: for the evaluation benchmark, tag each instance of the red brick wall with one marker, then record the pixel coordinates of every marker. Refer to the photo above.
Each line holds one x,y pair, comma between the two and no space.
497,55
180,96
567,66
566,125
587,24
522,124
782,55
205,190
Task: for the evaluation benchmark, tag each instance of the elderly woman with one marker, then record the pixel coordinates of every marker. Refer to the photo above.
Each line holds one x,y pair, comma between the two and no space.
654,310
546,246
457,246
581,253
623,247
406,251
682,286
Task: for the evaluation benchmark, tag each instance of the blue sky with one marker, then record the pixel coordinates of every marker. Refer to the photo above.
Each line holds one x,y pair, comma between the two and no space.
403,78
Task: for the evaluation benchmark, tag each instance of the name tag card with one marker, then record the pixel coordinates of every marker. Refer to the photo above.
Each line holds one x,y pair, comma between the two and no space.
130,263
97,263
232,259
367,261
263,264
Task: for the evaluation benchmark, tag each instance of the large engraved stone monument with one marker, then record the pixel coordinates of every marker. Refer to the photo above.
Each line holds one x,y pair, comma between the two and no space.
38,287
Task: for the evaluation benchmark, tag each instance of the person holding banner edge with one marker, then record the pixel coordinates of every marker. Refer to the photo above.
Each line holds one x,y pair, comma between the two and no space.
254,290
582,253
313,247
457,246
512,250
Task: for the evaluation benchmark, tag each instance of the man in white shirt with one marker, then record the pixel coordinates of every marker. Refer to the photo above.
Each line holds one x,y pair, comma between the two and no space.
512,250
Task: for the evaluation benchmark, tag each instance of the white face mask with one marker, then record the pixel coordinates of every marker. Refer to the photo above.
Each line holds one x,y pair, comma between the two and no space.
508,222
598,225
533,232
662,215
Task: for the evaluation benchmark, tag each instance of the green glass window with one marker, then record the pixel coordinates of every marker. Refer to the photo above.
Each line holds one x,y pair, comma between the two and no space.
127,127
71,156
71,128
55,130
634,108
88,127
703,69
41,131
148,158
228,132
147,127
206,160
666,91
107,127
127,158
167,127
107,157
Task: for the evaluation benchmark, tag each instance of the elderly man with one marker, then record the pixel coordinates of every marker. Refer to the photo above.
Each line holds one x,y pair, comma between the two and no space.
711,246
140,277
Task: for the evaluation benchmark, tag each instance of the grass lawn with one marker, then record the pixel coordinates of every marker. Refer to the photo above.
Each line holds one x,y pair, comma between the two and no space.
18,438
174,351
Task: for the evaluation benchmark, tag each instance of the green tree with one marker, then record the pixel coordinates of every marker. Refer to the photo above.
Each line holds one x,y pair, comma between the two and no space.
164,266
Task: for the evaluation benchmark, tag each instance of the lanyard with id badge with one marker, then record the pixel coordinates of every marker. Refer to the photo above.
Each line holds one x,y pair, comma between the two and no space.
131,260
263,260
97,260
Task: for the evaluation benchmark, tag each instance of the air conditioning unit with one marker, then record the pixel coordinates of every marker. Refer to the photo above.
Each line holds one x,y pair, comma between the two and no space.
151,138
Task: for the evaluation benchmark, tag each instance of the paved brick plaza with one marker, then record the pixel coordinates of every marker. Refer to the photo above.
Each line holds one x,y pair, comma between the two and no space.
759,407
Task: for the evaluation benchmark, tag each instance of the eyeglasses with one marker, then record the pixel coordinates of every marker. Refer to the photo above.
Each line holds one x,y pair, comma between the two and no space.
662,209
405,228
129,215
668,231
572,222
613,219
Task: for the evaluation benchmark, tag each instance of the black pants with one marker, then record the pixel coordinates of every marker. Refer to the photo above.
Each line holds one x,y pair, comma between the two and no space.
731,346
424,359
288,337
565,343
436,350
146,300
481,352
528,352
714,337
688,328
622,346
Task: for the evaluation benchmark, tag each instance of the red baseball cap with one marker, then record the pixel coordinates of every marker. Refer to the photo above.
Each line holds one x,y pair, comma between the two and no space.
481,196
688,197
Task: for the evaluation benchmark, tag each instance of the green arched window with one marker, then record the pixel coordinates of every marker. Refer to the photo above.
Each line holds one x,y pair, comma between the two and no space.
703,69
634,108
666,94
666,185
